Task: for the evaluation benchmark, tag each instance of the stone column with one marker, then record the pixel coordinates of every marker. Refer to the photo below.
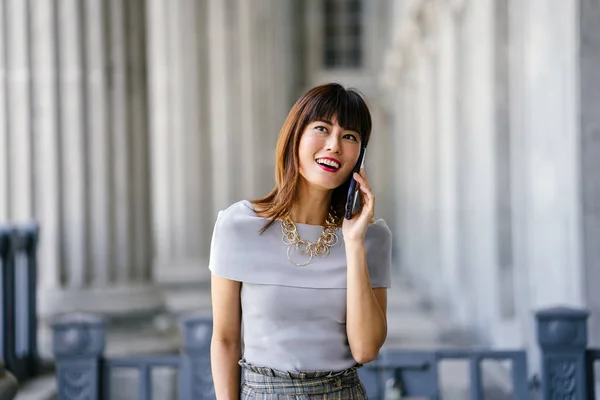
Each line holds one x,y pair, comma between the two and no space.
208,154
589,122
395,79
425,155
553,144
410,260
447,165
250,99
411,195
518,25
399,80
98,147
221,53
73,168
462,158
250,86
74,154
18,110
99,170
505,330
477,165
560,158
183,214
273,98
46,147
281,60
554,122
4,200
272,77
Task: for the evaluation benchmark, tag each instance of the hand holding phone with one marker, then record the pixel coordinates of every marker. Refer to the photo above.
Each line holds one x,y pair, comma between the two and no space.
353,197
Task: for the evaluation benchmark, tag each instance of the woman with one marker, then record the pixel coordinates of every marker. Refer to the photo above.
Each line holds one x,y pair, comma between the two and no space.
307,284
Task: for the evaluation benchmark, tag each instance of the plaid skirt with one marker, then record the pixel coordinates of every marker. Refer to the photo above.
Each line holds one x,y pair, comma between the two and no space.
263,383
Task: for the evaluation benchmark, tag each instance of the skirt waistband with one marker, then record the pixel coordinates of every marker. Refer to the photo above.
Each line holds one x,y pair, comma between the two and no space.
269,380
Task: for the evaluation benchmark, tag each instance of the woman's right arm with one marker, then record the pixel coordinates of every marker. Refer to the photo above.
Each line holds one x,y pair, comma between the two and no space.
226,344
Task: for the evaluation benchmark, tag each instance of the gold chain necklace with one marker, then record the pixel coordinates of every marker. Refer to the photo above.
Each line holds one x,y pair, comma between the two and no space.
321,247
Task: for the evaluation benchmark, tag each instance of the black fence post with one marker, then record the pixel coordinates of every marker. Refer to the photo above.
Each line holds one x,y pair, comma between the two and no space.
25,239
5,248
78,344
8,383
8,304
195,376
562,337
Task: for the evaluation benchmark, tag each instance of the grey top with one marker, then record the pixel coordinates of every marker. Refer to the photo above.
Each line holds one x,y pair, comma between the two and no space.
294,318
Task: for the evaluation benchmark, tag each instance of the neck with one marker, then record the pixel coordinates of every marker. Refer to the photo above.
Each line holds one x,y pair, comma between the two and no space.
312,205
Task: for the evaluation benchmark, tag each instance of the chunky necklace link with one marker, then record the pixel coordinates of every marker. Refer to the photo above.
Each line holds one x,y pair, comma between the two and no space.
320,248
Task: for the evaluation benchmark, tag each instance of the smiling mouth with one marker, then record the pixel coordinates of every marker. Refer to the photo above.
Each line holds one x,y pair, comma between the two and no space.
328,164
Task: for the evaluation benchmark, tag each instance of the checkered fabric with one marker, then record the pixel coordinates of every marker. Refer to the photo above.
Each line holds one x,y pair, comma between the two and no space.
262,383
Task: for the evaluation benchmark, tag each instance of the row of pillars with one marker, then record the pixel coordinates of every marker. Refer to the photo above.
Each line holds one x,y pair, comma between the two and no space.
125,126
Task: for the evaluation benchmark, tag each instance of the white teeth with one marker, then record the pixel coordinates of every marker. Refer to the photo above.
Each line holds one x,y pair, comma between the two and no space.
328,162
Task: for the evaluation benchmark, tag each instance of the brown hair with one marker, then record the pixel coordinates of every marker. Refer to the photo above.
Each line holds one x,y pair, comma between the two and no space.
321,103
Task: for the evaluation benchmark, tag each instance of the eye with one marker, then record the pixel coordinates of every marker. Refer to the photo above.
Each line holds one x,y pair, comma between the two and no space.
321,128
350,136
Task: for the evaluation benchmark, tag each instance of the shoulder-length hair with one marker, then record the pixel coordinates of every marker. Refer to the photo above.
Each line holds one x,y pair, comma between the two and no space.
321,103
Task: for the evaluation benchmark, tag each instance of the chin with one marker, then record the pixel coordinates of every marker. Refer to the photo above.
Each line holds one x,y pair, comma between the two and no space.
329,185
325,183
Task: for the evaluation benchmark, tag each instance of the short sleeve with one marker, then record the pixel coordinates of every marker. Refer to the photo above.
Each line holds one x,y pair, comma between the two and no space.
378,241
220,262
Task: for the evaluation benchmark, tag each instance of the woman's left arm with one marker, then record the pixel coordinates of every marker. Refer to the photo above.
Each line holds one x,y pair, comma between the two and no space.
366,308
366,322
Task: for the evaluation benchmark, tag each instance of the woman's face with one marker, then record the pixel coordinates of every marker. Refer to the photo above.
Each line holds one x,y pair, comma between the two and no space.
327,153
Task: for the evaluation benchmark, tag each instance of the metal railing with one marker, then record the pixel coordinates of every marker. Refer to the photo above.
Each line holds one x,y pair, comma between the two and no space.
566,363
18,311
567,370
83,372
399,373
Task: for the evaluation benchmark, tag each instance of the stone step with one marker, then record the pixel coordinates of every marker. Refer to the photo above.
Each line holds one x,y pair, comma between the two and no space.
182,300
8,383
41,388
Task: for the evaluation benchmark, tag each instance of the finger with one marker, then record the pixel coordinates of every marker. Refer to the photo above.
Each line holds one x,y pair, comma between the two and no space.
365,188
368,207
362,184
361,179
367,195
363,175
370,204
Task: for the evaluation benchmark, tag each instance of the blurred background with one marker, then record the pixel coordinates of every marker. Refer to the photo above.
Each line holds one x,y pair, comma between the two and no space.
126,125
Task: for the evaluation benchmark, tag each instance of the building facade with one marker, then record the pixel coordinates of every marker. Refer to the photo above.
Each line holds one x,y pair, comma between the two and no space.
126,125
495,116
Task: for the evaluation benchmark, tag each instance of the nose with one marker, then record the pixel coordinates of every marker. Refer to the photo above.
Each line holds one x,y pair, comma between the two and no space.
333,143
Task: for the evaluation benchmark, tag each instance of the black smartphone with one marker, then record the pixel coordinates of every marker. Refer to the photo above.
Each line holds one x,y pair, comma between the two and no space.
353,198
